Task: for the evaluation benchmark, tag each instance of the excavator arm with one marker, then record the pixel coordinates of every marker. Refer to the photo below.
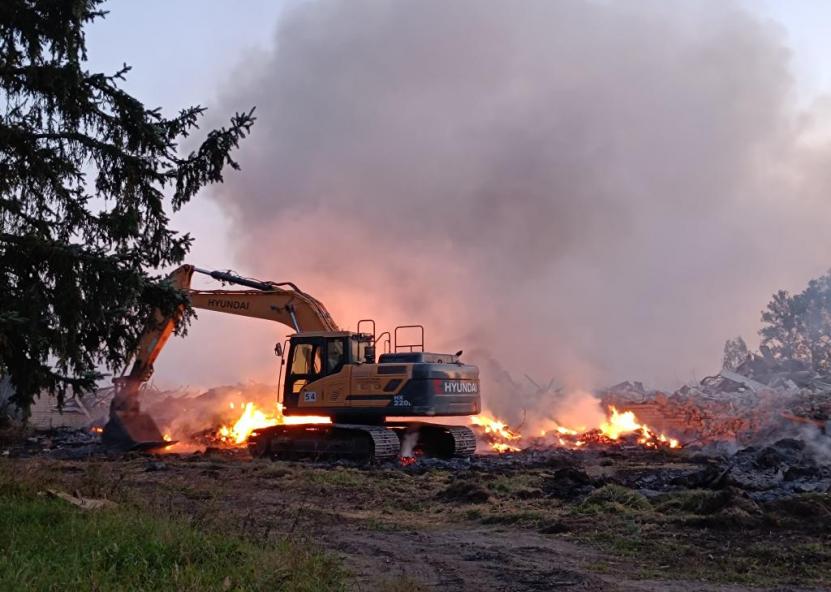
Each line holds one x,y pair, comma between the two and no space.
268,300
280,302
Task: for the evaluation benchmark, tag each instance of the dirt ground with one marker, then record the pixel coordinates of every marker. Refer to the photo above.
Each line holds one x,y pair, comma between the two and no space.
439,529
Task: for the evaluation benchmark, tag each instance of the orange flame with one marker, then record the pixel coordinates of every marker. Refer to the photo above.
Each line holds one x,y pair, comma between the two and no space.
498,434
621,424
617,426
253,418
501,438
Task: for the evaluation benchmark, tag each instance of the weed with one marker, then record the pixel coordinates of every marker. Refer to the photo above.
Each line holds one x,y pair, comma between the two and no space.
46,544
615,498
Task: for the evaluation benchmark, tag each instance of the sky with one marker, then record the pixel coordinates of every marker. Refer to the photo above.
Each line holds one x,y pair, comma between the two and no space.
184,52
807,24
181,49
180,52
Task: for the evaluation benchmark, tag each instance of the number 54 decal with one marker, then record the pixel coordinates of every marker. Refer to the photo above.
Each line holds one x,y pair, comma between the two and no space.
310,397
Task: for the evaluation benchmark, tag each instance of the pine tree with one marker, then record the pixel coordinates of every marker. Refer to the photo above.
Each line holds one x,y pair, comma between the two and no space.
87,174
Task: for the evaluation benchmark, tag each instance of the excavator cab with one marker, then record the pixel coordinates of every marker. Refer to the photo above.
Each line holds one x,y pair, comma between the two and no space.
314,356
336,374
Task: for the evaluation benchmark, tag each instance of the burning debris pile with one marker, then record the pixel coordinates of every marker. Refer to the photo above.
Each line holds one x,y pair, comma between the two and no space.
498,436
222,416
758,401
619,429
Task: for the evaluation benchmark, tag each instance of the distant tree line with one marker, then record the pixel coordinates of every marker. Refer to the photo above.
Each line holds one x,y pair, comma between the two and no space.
794,327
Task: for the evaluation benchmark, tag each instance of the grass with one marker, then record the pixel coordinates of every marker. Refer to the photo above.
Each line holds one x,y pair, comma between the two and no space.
338,478
615,498
649,554
703,536
717,536
699,535
47,544
511,485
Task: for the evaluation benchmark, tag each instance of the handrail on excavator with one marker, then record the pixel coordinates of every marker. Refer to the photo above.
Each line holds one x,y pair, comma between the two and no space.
420,344
387,342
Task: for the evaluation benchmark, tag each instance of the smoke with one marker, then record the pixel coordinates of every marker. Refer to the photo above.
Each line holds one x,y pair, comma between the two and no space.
185,413
409,441
578,410
817,443
588,190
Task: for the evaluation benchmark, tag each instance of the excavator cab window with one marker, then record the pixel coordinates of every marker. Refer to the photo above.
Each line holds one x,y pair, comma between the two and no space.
306,365
302,359
335,356
359,349
317,362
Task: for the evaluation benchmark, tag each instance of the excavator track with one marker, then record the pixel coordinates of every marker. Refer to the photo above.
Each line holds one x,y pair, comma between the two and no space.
385,442
363,443
439,441
464,441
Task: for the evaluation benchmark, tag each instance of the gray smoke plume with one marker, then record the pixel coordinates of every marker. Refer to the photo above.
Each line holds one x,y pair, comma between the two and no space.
582,189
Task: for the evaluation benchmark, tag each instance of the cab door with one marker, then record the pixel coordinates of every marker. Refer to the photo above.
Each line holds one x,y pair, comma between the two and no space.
305,366
333,390
331,387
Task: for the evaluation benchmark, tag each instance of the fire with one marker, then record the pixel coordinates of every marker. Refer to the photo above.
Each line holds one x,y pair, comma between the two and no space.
502,447
619,424
623,424
618,427
498,434
253,418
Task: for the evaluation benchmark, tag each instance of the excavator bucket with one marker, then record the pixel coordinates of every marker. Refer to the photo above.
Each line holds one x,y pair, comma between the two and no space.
129,428
132,430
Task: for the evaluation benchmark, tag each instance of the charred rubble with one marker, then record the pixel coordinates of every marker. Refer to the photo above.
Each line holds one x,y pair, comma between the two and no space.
761,400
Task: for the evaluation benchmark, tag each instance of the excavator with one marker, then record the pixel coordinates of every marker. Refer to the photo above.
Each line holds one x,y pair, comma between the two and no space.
329,372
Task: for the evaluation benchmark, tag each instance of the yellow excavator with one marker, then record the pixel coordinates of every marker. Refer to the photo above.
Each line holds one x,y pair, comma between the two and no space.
329,372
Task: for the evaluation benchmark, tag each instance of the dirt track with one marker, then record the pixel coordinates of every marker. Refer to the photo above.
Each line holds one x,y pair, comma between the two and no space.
485,559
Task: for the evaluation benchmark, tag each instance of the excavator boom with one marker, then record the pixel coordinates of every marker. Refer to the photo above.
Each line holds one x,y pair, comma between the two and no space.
280,302
268,300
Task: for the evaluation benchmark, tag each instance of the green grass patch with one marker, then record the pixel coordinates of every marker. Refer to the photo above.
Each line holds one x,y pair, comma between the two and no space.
694,501
766,563
513,484
614,498
47,544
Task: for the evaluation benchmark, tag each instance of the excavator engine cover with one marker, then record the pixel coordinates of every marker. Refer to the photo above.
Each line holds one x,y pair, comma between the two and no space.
132,430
